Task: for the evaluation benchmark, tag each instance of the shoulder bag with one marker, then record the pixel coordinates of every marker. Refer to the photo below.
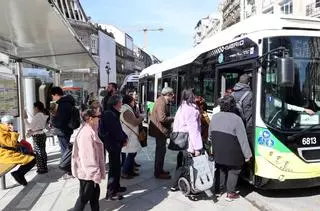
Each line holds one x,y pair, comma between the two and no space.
142,136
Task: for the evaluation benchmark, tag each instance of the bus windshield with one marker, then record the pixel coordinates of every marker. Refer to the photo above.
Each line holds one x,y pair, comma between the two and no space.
285,108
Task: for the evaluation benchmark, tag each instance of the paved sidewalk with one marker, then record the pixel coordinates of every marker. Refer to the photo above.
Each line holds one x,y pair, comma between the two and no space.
51,192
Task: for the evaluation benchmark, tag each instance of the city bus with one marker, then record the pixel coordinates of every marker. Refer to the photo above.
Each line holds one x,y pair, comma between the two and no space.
282,56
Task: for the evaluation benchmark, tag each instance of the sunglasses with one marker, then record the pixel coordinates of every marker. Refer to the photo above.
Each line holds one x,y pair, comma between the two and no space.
97,116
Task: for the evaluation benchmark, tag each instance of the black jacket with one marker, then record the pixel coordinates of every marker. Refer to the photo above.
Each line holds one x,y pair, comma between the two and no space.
62,117
110,130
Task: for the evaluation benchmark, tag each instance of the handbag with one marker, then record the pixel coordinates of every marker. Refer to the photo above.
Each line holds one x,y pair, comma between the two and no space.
142,136
178,141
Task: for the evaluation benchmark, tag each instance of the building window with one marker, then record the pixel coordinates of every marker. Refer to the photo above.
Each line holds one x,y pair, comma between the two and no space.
286,8
269,11
317,3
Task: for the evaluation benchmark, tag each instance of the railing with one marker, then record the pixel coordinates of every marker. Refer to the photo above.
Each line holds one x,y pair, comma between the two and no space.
313,9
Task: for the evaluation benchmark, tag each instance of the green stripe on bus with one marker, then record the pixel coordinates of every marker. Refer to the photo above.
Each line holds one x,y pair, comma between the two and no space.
265,138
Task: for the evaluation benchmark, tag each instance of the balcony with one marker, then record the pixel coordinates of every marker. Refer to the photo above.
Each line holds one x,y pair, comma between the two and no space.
313,9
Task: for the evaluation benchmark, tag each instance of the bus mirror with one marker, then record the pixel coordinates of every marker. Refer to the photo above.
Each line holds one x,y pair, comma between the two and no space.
285,72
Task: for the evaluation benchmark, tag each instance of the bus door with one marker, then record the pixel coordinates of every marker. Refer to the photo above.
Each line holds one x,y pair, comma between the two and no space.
227,76
172,81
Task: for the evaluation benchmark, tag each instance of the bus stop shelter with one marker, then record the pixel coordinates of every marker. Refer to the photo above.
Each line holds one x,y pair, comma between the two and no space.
35,32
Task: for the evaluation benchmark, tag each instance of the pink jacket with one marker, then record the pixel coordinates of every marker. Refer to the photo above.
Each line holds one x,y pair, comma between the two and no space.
187,119
88,156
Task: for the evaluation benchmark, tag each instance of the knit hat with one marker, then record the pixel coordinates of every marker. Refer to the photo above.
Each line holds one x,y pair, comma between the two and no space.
7,119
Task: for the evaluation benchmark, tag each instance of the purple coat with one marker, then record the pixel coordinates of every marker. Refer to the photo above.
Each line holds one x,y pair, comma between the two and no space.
187,119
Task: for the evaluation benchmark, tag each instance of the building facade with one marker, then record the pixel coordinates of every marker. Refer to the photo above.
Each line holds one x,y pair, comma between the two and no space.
313,8
206,27
124,52
234,11
88,34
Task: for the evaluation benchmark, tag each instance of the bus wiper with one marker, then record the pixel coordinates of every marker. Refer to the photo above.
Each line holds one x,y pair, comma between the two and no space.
297,135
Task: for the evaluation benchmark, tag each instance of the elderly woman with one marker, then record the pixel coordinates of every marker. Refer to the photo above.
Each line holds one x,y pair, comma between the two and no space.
88,160
9,153
130,124
114,139
230,145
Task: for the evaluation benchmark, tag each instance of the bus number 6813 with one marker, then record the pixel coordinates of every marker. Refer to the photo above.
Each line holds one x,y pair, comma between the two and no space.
309,141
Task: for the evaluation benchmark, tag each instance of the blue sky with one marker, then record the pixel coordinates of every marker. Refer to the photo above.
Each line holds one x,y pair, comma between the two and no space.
177,17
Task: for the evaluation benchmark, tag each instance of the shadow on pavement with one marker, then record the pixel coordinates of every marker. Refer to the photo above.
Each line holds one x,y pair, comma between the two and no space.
30,194
290,193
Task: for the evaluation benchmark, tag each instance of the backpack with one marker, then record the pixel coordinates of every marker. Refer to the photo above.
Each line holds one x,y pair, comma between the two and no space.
74,121
240,110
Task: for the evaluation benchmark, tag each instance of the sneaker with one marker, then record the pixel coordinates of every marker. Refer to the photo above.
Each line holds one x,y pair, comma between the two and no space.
134,174
19,178
165,172
67,176
114,198
163,176
174,189
42,171
232,196
136,164
126,176
122,189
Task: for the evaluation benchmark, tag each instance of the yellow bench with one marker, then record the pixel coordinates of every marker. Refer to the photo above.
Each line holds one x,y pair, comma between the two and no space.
5,168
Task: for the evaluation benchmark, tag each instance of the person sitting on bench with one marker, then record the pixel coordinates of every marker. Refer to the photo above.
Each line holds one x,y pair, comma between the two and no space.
9,150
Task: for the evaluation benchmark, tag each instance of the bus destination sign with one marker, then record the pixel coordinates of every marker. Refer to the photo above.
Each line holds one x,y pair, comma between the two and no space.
236,51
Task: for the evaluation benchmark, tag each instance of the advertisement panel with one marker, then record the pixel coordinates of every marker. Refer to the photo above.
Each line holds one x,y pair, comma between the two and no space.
107,64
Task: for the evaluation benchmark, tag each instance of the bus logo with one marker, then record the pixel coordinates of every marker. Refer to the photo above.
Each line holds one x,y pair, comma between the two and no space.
220,58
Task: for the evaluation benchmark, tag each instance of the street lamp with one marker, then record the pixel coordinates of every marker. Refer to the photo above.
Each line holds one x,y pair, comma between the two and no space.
108,68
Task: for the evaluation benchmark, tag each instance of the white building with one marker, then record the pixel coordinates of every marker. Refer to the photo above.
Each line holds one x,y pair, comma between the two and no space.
206,27
234,11
313,8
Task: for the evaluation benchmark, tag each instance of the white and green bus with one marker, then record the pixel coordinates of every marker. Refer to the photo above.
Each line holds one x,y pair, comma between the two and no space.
282,54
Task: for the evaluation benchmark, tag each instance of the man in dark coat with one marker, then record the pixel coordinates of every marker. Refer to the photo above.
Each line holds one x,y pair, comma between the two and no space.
110,91
114,139
61,117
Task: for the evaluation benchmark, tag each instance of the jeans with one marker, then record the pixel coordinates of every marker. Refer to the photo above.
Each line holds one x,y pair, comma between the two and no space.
123,158
64,141
129,163
228,177
160,154
89,191
114,173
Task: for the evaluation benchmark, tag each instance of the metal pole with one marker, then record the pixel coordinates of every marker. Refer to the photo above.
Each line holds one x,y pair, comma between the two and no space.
145,40
21,99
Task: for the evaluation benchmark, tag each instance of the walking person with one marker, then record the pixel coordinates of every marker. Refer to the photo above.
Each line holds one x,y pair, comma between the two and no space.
114,139
230,146
88,161
130,124
36,126
9,153
187,119
159,127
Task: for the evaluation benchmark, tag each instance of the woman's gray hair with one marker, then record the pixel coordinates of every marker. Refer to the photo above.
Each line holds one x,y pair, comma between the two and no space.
167,90
114,100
